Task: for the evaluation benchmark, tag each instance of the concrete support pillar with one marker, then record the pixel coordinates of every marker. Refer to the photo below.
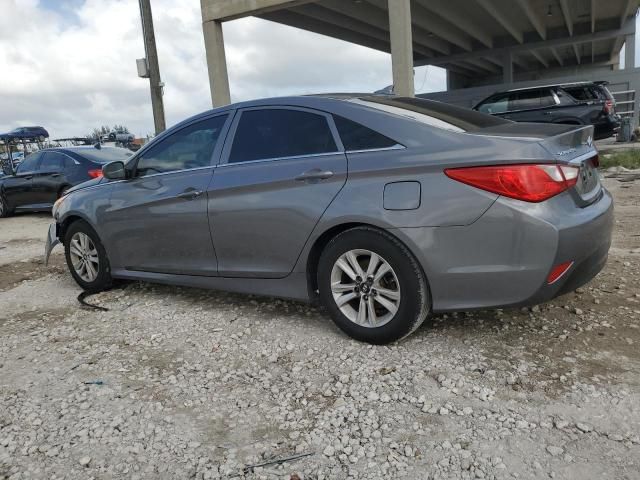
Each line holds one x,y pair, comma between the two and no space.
401,47
630,51
216,63
507,68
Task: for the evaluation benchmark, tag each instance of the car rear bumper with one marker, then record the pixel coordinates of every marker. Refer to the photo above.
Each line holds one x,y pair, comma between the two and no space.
505,257
606,128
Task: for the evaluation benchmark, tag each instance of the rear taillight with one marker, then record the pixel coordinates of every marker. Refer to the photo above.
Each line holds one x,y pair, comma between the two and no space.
96,173
608,107
527,182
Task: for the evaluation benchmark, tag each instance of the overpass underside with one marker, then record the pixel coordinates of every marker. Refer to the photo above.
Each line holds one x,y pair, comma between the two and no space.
479,42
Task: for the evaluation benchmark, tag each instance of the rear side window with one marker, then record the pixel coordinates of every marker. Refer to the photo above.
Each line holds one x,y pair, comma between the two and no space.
582,93
358,137
277,133
52,162
531,99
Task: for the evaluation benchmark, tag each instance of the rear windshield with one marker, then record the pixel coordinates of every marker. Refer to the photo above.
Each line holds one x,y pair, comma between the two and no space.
435,114
105,154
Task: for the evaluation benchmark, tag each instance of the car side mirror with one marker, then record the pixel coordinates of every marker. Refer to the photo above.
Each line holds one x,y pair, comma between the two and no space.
114,171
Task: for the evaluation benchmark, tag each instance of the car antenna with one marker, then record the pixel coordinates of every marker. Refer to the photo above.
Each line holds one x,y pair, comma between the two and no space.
97,145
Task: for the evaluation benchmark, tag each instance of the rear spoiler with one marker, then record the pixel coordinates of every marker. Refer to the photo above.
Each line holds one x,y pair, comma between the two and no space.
571,144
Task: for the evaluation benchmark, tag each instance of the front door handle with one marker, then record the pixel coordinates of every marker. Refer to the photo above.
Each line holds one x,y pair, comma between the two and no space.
190,194
315,174
55,175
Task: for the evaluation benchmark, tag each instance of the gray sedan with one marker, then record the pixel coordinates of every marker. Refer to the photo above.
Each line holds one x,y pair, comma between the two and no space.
383,209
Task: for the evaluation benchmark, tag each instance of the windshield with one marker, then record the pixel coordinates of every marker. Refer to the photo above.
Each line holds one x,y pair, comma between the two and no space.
435,114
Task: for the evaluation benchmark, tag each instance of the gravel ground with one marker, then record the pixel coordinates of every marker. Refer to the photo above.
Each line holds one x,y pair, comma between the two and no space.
183,383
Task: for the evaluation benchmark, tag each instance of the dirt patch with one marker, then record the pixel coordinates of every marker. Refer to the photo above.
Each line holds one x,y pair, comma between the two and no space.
12,274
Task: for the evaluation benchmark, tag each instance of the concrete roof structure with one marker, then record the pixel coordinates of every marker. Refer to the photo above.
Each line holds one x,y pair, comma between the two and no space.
472,39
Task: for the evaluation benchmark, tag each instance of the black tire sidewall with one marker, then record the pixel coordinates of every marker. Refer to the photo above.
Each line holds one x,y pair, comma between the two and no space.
6,211
103,281
414,300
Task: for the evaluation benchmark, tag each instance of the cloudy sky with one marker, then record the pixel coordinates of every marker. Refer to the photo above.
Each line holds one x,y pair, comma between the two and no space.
69,65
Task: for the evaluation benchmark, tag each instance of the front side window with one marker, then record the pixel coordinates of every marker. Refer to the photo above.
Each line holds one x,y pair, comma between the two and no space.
358,137
278,133
190,147
29,164
52,162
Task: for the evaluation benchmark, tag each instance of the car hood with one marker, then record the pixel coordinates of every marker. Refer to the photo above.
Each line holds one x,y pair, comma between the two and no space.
88,183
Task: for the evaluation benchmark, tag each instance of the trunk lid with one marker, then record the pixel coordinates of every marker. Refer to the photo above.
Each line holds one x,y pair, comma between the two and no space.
567,145
576,148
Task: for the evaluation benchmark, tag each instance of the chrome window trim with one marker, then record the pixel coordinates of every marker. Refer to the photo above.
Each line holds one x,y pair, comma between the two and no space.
262,160
397,146
170,172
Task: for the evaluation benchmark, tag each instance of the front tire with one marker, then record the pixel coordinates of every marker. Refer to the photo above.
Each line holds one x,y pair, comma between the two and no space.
86,258
372,286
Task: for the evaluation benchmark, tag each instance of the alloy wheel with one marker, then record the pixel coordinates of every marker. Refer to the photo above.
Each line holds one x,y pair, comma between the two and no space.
84,257
365,288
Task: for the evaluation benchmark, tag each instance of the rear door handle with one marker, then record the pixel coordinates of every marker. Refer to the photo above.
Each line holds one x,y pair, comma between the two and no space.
55,175
315,174
190,194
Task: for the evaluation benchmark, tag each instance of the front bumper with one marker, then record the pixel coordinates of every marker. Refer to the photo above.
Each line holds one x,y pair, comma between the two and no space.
52,241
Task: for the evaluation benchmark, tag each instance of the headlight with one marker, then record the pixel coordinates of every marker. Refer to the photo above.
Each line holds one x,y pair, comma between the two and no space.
57,204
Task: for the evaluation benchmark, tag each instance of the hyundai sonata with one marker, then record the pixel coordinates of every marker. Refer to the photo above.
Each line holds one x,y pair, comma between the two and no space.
383,209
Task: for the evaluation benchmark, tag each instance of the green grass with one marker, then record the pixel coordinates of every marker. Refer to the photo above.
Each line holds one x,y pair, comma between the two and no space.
629,159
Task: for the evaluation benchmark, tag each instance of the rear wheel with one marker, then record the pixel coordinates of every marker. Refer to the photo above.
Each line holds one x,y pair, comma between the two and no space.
86,258
372,286
5,211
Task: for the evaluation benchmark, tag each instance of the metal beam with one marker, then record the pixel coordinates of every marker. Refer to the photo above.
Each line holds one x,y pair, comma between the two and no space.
421,36
483,64
557,55
462,21
540,58
293,19
534,19
566,13
577,53
627,10
331,17
593,16
231,9
556,42
499,16
439,27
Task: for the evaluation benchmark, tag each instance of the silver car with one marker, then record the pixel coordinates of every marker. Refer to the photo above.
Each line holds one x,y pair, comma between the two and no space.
383,209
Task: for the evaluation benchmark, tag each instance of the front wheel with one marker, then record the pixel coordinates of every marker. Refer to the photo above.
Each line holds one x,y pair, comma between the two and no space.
5,211
86,258
372,286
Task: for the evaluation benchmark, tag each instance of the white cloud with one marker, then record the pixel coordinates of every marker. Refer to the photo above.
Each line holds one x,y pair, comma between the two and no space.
69,65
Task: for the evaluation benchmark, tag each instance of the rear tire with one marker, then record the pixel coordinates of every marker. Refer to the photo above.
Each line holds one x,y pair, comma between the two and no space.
372,286
86,258
5,211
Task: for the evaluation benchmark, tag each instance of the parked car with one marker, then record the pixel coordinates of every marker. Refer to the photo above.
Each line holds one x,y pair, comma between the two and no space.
586,103
37,133
43,176
384,209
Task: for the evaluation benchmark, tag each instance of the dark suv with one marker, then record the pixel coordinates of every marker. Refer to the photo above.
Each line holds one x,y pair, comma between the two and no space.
586,103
